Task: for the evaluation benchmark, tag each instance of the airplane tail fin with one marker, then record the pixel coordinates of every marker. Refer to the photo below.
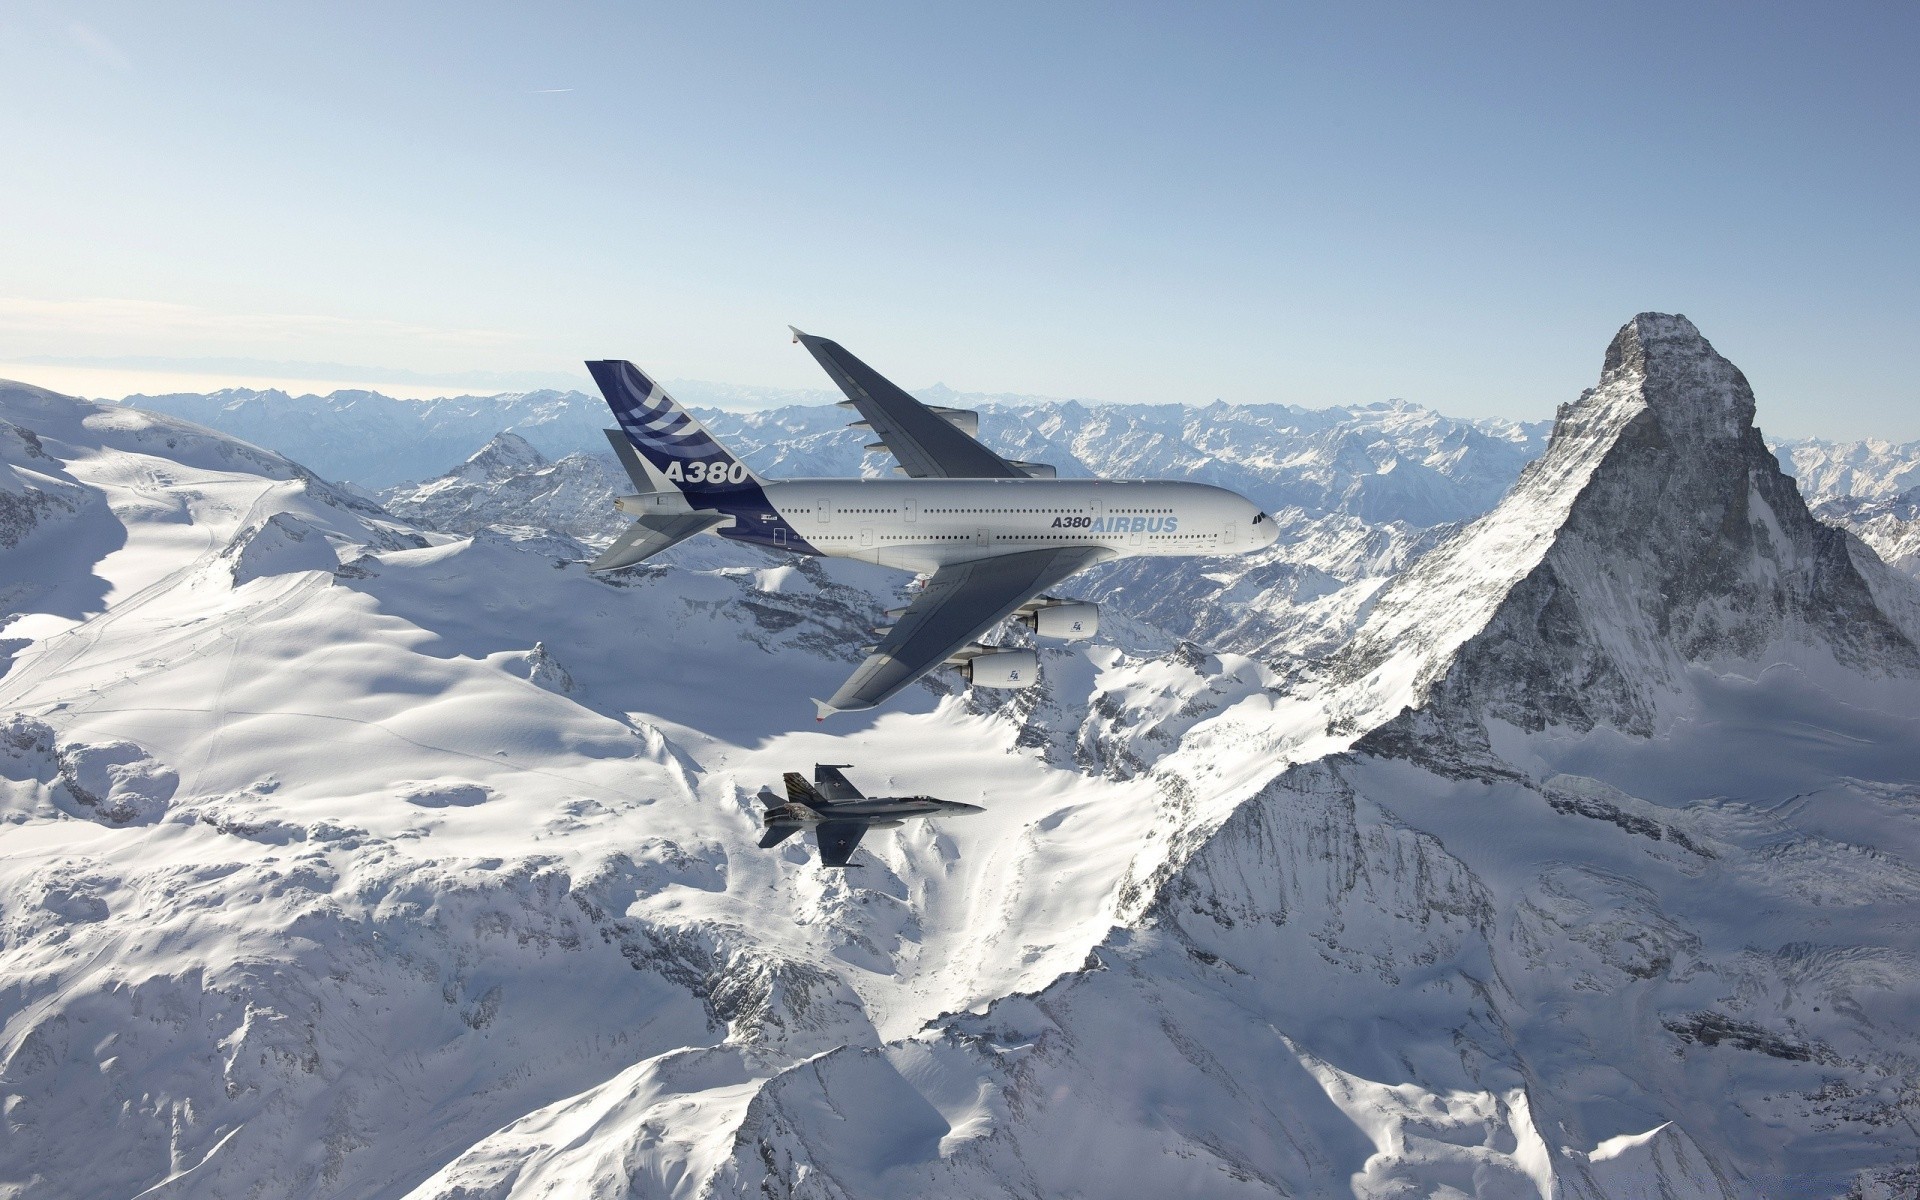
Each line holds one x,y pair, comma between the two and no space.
769,798
667,437
776,834
799,791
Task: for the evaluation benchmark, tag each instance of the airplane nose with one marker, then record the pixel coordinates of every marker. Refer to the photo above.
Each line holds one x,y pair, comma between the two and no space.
1266,529
963,810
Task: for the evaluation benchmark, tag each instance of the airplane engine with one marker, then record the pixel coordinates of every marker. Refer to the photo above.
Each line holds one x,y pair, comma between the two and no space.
965,420
1069,622
1003,669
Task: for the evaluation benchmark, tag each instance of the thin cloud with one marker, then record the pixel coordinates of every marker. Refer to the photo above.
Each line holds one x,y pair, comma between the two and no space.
547,91
99,47
23,315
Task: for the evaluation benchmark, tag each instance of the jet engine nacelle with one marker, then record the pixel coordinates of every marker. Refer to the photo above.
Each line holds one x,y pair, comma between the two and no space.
1069,622
965,420
1036,470
1003,669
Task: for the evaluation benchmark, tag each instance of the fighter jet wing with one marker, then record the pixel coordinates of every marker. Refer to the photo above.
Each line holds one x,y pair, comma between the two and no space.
925,443
837,840
959,603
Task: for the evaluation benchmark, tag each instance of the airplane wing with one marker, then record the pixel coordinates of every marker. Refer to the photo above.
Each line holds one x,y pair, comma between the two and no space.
959,603
925,443
837,840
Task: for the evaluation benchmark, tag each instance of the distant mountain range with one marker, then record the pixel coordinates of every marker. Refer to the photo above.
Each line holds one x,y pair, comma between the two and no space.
1360,491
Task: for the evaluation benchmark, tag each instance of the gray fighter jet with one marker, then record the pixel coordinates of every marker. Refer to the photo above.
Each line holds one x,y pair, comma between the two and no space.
838,814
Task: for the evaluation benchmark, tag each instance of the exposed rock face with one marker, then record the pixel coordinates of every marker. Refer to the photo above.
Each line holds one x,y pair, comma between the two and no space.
28,493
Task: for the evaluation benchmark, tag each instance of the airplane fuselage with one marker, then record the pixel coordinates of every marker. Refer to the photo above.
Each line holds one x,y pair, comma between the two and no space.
924,524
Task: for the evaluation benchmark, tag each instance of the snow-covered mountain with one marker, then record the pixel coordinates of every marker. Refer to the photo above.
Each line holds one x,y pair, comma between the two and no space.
1873,469
1891,525
346,858
376,441
508,482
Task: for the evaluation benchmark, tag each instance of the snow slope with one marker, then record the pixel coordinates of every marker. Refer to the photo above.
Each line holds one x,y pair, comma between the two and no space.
423,866
356,844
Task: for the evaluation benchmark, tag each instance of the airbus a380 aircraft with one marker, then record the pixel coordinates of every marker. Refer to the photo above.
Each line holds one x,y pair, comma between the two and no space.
991,534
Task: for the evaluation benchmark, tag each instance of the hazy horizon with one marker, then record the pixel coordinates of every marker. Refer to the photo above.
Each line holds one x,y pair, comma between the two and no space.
1254,203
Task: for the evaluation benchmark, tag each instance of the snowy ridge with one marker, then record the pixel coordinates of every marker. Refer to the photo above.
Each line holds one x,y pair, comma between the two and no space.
1890,526
1382,462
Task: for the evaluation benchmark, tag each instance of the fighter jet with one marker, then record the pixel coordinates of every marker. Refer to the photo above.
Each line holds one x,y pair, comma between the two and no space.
838,814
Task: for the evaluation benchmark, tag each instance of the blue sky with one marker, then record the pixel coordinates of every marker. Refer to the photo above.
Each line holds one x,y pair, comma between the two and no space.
1453,204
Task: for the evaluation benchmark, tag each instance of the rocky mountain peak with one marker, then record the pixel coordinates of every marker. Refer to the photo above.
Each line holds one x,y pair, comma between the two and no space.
1682,378
505,455
1657,534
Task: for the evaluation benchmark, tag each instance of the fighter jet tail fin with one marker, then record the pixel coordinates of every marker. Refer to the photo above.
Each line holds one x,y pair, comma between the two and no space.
776,834
799,791
769,798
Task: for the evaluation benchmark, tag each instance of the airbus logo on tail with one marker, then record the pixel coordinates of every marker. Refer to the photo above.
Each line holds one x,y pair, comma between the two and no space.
701,470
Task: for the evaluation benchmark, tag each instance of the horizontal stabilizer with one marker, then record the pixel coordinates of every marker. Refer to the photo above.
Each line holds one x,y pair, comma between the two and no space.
776,834
650,535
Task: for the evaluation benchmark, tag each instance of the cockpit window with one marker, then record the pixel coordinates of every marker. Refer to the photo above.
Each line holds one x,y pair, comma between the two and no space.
1259,517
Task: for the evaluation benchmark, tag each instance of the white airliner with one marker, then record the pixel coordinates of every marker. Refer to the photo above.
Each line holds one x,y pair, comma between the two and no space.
992,535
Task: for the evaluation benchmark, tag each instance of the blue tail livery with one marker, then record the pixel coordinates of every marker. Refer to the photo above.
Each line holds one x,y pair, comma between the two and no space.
669,436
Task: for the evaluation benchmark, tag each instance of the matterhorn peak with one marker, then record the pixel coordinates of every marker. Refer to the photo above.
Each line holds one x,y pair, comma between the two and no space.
1656,535
1680,375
